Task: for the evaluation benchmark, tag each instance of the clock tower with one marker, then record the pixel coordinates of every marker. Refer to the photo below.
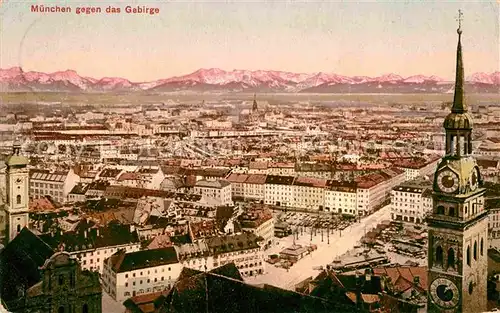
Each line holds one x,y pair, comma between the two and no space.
458,225
17,186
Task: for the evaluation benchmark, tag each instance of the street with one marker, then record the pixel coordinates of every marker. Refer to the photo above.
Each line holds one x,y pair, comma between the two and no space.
324,255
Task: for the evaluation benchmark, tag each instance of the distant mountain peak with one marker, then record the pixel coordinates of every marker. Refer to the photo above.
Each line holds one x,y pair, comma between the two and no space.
216,79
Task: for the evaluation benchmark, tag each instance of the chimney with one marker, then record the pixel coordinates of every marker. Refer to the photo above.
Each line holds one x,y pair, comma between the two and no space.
416,280
368,274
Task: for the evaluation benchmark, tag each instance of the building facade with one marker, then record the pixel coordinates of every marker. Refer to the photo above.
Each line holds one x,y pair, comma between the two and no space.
15,214
411,201
65,288
126,275
219,190
57,185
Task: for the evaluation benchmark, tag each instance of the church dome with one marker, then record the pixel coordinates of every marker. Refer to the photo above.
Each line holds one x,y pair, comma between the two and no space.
16,160
458,121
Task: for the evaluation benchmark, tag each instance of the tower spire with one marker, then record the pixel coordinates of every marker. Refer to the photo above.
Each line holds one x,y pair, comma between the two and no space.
254,106
459,105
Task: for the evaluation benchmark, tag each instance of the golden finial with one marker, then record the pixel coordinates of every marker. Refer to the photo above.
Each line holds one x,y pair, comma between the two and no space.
460,19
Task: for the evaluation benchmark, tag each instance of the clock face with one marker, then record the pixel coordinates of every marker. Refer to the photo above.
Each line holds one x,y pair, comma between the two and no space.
444,293
447,181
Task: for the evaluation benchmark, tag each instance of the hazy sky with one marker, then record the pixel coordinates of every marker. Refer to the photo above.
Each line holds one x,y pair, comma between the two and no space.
348,38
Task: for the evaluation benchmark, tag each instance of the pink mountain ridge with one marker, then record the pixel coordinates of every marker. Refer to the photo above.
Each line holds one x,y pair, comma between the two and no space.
214,76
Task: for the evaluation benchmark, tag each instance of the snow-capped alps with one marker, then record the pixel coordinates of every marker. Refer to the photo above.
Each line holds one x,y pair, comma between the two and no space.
483,78
15,79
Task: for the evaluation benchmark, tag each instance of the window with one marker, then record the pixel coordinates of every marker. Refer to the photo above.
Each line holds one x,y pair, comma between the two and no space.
468,255
439,255
451,258
61,309
440,209
481,247
475,250
18,201
18,228
451,211
85,308
61,279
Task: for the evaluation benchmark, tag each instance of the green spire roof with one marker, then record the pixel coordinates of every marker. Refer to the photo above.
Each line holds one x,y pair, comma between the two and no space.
459,105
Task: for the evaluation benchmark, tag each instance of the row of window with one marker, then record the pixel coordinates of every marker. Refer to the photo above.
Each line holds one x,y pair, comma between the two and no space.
149,272
149,281
451,261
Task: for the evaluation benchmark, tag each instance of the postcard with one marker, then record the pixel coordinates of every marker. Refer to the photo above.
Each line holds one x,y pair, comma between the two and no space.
249,156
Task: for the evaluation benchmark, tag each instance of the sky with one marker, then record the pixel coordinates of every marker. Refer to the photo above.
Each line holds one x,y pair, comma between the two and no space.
344,37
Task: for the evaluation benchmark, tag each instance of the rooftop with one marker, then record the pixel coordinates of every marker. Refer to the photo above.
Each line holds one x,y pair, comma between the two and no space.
125,262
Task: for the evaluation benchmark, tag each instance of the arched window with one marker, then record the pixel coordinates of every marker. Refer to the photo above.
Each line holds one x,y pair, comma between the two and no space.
468,255
439,255
451,258
451,211
18,228
481,247
60,280
85,308
18,199
440,209
475,250
61,309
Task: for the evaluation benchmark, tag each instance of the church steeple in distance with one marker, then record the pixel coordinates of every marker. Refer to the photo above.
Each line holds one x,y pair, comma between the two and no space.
254,106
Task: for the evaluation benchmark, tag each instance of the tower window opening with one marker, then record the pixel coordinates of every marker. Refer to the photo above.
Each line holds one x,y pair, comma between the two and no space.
451,258
466,146
18,199
451,211
18,228
468,255
475,250
61,309
439,255
481,246
85,308
60,280
440,209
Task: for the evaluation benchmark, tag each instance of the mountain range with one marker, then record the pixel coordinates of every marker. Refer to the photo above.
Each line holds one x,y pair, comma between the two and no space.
216,80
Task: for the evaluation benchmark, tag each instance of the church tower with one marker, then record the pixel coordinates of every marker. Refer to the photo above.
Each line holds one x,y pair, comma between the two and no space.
254,105
458,225
17,196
